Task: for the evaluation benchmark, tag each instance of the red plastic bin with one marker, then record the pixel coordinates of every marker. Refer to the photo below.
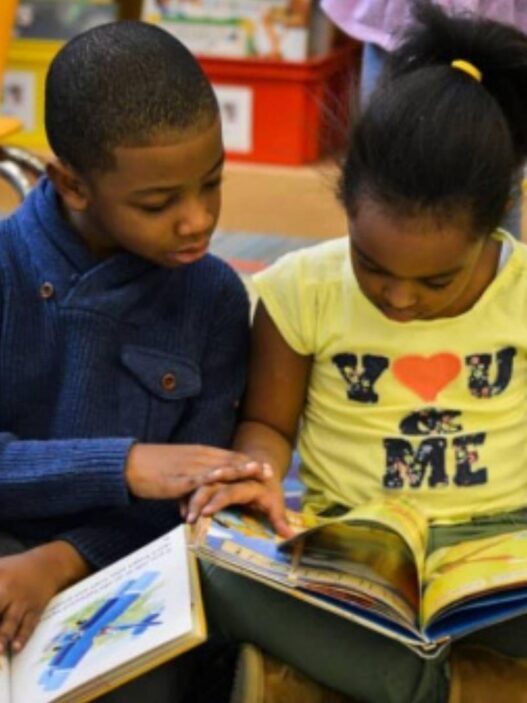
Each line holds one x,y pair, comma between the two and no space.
298,108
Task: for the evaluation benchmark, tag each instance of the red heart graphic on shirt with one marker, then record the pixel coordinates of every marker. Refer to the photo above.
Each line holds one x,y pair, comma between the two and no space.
427,375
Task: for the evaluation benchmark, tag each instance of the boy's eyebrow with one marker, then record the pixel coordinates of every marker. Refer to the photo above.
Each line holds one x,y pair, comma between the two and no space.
382,269
171,189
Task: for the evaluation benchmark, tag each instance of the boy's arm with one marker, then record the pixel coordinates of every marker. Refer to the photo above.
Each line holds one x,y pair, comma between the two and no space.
48,478
276,394
108,535
28,581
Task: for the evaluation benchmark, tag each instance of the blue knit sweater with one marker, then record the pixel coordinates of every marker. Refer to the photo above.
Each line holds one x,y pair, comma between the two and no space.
86,347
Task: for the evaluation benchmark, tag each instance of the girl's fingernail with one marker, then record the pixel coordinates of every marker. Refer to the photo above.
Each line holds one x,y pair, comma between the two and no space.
251,466
191,517
268,471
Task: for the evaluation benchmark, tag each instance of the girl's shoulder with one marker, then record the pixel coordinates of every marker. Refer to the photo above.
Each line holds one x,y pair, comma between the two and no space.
324,263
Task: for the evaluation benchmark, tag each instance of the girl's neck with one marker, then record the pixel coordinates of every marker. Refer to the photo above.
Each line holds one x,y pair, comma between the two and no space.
484,273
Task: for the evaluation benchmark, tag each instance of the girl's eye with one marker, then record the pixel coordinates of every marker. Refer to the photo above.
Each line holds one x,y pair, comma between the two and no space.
437,286
370,269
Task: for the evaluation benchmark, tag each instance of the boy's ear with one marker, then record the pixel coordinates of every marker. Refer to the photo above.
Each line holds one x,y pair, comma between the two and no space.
69,185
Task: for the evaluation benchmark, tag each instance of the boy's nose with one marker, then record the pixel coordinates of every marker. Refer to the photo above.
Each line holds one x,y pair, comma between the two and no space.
399,295
195,219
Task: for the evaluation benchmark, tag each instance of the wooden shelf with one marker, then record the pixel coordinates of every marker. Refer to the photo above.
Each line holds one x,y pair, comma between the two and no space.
296,201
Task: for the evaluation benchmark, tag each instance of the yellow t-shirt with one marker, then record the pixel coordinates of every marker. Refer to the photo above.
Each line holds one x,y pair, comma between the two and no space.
435,410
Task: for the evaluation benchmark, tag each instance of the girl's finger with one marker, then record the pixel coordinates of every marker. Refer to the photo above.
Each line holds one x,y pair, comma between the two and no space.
198,499
233,494
183,507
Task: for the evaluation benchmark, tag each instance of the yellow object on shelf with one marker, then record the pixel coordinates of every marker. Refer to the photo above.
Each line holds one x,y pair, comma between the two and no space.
24,82
7,21
8,125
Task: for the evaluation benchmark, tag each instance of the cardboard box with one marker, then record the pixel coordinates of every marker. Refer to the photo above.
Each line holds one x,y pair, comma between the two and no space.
289,30
284,113
61,19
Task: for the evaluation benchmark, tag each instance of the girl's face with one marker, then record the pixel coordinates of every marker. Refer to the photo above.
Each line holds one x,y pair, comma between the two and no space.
414,268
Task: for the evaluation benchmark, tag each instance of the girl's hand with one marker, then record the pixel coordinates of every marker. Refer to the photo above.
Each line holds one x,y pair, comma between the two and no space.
261,496
158,471
28,581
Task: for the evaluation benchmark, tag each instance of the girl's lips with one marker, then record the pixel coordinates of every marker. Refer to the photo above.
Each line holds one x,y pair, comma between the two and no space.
399,315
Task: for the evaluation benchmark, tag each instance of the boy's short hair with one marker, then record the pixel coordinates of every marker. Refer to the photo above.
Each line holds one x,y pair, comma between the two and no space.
118,85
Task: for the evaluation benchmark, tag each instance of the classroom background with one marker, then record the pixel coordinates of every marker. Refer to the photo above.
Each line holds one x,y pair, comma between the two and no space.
284,75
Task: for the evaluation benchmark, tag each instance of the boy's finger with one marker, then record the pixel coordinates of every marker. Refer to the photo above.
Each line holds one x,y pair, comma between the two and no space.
25,630
253,469
11,618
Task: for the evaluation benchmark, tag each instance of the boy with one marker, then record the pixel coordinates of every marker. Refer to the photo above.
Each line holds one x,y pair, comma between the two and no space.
123,343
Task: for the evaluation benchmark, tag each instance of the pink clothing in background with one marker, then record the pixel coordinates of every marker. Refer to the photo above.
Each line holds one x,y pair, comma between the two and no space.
380,21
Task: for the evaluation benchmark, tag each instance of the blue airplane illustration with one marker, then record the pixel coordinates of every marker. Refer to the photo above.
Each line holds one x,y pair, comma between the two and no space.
72,646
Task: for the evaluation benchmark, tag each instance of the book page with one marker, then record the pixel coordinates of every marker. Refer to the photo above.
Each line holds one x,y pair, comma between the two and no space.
247,544
5,680
399,515
454,574
138,604
364,556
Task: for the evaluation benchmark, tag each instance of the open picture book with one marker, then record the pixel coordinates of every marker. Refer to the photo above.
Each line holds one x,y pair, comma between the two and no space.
111,627
371,566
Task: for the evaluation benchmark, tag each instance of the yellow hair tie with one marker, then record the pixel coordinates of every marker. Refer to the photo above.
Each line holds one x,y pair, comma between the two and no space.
468,68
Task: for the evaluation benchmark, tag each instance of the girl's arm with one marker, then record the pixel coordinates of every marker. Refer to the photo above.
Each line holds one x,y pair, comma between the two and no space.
276,393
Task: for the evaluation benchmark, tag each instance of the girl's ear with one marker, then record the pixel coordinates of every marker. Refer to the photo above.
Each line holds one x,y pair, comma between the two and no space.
71,187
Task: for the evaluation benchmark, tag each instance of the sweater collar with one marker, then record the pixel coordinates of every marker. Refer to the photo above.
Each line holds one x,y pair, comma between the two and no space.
44,205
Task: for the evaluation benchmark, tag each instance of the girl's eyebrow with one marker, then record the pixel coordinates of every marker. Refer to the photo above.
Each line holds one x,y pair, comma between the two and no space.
383,269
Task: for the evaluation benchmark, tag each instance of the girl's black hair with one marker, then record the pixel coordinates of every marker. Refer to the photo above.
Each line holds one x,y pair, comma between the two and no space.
432,138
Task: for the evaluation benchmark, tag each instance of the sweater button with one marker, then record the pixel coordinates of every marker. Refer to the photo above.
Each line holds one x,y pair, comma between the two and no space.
168,382
47,290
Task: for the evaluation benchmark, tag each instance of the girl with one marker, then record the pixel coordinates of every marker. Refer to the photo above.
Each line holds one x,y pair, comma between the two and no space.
428,321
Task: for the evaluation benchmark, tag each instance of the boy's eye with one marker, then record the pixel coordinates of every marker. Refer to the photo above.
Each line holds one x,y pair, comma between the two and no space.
213,184
152,208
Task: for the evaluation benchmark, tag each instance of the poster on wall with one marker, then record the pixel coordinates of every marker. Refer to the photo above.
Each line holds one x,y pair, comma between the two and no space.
18,97
236,107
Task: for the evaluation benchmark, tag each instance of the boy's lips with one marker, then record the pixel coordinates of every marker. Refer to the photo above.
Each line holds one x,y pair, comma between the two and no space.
188,254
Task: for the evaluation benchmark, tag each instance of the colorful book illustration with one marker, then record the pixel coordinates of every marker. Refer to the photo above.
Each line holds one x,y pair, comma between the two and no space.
111,627
371,566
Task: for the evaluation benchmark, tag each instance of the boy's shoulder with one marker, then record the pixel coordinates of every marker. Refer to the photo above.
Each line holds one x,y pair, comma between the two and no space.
213,272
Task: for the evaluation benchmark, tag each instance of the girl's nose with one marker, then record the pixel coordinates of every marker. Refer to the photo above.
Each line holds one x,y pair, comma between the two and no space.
399,294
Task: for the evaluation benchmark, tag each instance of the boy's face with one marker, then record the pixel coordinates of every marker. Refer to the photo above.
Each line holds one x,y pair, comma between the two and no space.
160,201
413,268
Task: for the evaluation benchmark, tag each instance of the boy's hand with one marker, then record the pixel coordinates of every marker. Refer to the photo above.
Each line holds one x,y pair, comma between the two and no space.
28,581
159,471
265,497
